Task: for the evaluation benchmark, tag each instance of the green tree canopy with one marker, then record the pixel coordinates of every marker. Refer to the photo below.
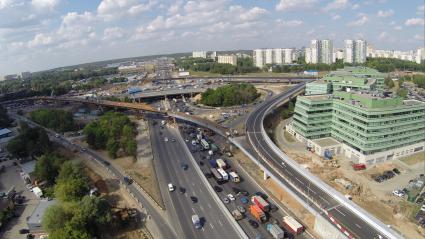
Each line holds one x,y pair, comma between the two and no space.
29,142
234,94
71,183
47,167
5,121
58,120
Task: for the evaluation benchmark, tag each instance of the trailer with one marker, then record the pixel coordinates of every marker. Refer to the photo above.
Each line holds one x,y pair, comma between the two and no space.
257,213
234,177
293,225
221,163
216,174
261,203
275,231
223,174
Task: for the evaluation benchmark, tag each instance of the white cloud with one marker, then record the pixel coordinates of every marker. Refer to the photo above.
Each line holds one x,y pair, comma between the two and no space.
112,9
363,19
253,14
383,36
336,17
415,22
77,26
383,13
398,28
113,33
337,5
175,7
355,6
43,4
421,10
284,5
419,37
290,23
40,40
6,3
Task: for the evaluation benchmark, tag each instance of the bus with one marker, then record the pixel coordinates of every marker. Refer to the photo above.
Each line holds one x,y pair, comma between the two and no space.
205,144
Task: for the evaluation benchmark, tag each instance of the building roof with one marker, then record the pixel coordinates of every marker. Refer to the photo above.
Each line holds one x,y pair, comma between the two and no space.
5,131
39,211
325,142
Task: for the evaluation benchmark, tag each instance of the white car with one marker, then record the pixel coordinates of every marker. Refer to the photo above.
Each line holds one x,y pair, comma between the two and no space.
171,187
398,193
231,197
166,139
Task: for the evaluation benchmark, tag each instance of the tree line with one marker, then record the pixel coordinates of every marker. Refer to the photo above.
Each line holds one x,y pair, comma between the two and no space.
244,65
58,120
228,95
114,132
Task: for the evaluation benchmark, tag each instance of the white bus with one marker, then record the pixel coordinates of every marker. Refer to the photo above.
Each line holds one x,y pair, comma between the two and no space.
205,144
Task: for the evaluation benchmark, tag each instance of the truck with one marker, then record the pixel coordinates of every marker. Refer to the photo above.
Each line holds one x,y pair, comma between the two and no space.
237,215
234,177
223,174
213,163
275,231
292,225
221,163
216,174
261,203
257,213
205,144
196,221
162,122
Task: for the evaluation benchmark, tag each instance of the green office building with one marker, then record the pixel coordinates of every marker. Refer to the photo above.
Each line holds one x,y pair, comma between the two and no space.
367,126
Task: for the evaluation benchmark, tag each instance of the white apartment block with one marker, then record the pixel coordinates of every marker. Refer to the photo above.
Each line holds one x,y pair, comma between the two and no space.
420,55
227,59
414,56
355,51
199,54
320,51
273,56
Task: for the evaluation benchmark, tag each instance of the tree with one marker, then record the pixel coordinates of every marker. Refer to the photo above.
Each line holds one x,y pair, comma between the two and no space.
5,121
29,142
47,167
58,120
55,218
71,182
234,94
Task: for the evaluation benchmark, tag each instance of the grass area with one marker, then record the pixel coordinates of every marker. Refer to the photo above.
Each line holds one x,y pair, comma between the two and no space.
288,137
409,209
414,158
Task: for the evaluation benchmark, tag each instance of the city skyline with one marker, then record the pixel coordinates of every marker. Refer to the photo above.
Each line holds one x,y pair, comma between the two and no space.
43,34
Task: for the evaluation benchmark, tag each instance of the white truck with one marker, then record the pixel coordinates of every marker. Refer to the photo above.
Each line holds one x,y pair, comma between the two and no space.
223,174
205,144
275,231
196,221
234,177
221,163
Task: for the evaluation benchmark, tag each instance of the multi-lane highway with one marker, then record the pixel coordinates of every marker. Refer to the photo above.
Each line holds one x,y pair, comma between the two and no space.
169,157
317,198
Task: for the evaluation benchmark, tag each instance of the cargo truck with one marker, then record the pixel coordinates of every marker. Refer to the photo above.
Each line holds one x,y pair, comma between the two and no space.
221,163
223,174
261,203
237,215
292,225
234,177
257,213
216,174
275,231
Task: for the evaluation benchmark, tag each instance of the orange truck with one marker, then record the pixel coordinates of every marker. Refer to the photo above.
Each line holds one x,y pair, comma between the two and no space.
257,213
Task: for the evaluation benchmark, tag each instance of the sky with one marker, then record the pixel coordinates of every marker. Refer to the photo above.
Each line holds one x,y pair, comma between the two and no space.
42,34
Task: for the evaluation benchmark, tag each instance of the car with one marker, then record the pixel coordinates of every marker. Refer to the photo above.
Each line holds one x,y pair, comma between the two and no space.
24,231
106,163
241,209
398,193
273,208
184,166
173,140
171,187
231,197
423,208
395,170
30,236
253,223
245,200
194,199
182,190
218,189
165,139
186,140
128,180
201,163
226,200
208,175
84,149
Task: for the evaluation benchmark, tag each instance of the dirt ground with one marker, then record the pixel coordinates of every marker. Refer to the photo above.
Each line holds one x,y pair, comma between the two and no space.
274,190
374,197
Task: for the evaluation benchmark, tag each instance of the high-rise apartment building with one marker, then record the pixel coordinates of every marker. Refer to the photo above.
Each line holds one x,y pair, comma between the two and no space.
420,55
355,51
273,56
349,51
259,56
227,59
321,51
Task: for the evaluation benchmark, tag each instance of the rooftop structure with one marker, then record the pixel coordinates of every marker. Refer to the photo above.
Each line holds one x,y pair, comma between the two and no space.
34,221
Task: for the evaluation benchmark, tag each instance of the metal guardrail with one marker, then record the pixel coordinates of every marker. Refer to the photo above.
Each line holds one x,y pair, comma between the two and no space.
381,227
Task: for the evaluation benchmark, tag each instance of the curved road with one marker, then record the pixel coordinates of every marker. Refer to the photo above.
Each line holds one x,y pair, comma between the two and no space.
318,199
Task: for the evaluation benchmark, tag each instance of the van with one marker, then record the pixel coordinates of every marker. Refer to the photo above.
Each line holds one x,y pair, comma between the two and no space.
170,187
196,221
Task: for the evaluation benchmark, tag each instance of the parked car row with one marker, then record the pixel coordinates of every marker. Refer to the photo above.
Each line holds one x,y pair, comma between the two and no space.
386,175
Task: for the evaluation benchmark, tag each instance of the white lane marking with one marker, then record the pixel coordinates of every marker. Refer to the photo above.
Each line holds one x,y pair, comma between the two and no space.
200,190
299,181
193,209
357,225
211,225
203,229
339,212
193,184
219,221
326,201
289,172
202,208
209,205
283,164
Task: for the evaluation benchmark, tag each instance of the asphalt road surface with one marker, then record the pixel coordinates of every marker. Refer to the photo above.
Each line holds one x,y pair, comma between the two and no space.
168,157
355,225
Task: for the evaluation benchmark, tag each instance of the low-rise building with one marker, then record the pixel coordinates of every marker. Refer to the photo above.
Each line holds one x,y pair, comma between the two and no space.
34,221
199,54
228,59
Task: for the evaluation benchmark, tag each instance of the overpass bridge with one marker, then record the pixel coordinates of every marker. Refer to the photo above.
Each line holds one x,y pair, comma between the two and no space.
247,79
